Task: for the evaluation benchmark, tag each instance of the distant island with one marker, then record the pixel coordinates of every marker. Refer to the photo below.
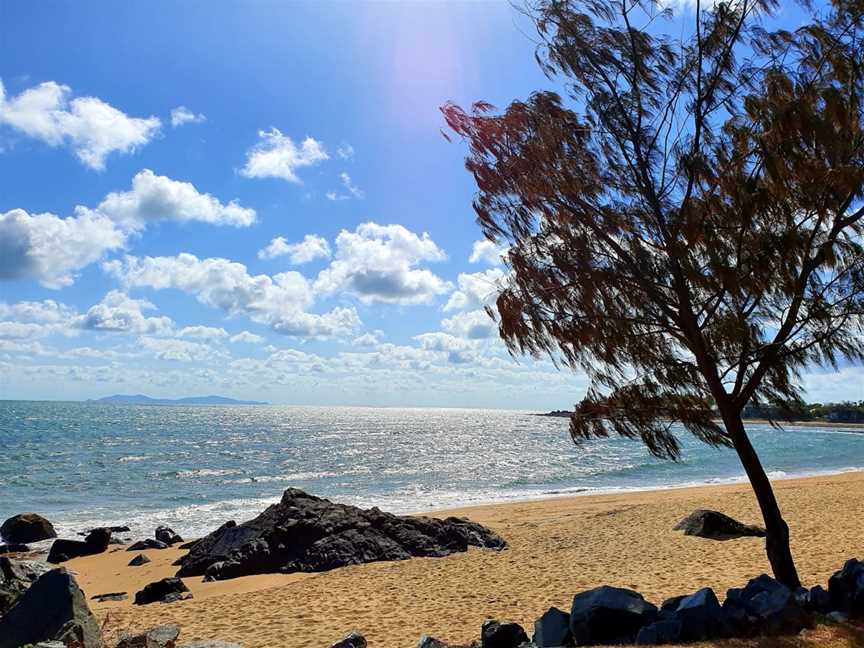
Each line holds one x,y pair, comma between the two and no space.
140,399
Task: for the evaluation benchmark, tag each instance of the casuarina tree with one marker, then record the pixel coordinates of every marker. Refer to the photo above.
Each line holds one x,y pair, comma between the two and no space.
685,223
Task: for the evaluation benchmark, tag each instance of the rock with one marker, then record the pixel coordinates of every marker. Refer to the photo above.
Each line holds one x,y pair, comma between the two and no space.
672,603
189,545
502,634
609,615
353,640
170,588
430,642
16,577
166,534
662,631
147,543
27,527
54,608
819,600
95,542
161,636
13,547
139,560
552,629
303,533
769,607
111,596
701,617
211,643
846,589
716,526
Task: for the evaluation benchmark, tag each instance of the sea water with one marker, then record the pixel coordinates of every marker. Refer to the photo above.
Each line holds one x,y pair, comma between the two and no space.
194,467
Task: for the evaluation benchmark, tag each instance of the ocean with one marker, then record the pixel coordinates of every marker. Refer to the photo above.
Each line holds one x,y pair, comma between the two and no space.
194,467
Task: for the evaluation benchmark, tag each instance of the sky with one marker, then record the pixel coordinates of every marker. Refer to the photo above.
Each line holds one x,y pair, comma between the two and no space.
255,199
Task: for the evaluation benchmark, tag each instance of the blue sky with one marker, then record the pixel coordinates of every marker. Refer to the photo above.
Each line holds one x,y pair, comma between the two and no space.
255,199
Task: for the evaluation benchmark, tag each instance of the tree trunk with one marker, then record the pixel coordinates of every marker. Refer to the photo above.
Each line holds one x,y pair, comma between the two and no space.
777,538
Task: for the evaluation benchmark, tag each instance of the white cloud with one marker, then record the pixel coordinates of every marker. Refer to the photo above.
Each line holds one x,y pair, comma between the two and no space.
345,151
182,115
279,301
47,311
353,191
277,156
377,263
245,337
119,313
474,325
155,197
486,252
457,350
91,127
51,249
310,248
370,339
475,290
203,332
180,350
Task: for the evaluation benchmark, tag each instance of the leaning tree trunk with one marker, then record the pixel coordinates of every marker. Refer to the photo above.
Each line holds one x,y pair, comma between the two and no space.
777,531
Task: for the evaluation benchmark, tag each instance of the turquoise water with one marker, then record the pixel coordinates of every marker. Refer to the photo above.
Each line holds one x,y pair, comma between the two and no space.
87,464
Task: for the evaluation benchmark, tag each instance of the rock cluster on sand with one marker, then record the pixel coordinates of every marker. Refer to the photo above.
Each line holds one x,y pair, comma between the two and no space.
716,526
165,636
27,527
53,608
96,542
303,533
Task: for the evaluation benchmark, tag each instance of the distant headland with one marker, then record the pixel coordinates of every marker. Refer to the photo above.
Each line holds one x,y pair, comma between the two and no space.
140,399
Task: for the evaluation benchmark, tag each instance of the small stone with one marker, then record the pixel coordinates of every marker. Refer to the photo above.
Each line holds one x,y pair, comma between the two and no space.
139,560
111,596
353,640
166,588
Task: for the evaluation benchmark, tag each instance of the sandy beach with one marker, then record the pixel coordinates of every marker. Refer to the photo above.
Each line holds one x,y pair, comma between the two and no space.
557,548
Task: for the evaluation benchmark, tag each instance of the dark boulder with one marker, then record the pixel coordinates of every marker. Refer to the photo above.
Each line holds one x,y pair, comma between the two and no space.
609,615
819,600
766,606
502,634
353,640
701,617
716,526
162,636
147,543
846,589
16,577
13,547
303,533
662,631
430,642
54,608
164,590
139,560
552,629
110,596
27,527
672,604
95,542
166,534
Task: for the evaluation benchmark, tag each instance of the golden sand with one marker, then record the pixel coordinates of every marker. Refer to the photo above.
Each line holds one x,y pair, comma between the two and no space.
557,548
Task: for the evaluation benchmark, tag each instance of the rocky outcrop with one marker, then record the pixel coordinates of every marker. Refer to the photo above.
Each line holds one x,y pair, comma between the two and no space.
27,527
609,615
166,534
95,542
716,526
53,608
16,577
162,636
166,590
303,533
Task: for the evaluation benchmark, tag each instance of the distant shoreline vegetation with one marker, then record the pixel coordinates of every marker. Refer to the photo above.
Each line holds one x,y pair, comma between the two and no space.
140,399
834,413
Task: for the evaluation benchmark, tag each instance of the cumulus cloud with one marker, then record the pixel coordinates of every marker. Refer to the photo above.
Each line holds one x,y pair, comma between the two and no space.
474,325
377,263
245,337
279,301
91,127
310,248
277,156
476,289
47,311
203,332
486,252
182,115
180,350
155,197
119,313
51,249
457,350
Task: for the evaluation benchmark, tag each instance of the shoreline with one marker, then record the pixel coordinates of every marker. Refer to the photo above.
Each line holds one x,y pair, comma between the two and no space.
557,547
